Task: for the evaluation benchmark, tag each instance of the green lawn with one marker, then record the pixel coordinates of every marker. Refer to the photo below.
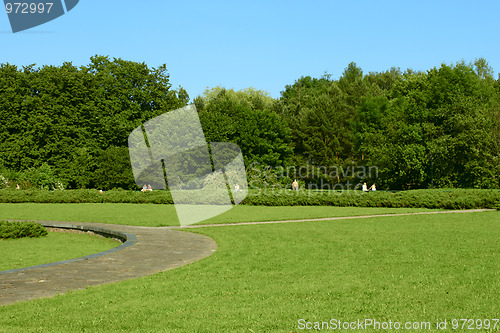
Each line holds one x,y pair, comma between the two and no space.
164,215
56,246
265,278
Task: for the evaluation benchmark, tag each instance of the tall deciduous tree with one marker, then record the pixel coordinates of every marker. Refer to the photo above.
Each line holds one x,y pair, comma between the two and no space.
244,117
69,117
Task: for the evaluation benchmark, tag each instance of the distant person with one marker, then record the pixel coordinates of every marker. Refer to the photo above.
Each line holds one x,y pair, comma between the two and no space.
144,188
365,187
295,185
18,187
373,188
100,191
236,188
149,188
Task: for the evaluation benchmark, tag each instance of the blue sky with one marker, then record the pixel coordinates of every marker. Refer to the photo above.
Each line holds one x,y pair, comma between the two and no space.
262,44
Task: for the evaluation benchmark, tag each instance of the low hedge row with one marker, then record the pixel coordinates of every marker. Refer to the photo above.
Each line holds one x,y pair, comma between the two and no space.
21,229
434,199
84,196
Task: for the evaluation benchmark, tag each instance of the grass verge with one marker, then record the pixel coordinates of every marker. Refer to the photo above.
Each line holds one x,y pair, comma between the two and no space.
56,246
165,215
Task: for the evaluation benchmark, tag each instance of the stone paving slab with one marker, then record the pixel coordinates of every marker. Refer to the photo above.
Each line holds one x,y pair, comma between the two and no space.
156,250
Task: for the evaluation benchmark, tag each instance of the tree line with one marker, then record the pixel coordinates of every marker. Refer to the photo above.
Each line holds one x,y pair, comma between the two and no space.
67,126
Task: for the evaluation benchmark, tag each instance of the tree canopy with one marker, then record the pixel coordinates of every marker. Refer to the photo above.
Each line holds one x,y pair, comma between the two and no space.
439,127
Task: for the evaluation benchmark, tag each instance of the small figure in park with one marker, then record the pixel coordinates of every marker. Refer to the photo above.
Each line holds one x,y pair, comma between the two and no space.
149,187
365,187
144,188
295,185
236,188
18,187
100,191
373,188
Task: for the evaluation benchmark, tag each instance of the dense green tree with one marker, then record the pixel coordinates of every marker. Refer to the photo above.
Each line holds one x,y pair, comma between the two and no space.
67,116
114,169
295,104
244,117
438,128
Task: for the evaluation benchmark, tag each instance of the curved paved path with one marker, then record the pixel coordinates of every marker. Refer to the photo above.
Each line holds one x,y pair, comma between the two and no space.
156,249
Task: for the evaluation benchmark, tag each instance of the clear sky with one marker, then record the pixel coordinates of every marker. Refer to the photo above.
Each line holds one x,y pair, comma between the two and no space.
262,44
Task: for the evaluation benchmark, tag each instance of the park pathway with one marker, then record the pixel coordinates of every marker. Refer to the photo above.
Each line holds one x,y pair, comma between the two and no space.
148,250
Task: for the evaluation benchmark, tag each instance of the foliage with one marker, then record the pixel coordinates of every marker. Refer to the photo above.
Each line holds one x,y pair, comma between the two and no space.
278,195
76,119
249,97
432,199
4,182
432,129
437,128
114,169
21,229
421,129
42,177
85,196
244,118
260,176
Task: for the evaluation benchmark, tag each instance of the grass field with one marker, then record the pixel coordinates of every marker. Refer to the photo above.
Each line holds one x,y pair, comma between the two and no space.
56,246
164,215
265,278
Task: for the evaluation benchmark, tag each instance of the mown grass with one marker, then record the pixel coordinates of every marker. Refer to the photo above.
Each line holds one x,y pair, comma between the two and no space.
165,215
56,246
264,278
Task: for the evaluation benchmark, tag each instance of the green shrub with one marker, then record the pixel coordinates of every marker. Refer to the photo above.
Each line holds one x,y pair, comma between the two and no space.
4,182
21,229
433,199
42,177
84,196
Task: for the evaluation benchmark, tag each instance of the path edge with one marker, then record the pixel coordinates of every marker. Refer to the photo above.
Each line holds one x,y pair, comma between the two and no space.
126,238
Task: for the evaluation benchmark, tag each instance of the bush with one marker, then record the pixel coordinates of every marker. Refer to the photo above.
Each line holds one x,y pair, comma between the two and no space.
21,229
84,196
7,177
433,199
114,169
4,182
42,177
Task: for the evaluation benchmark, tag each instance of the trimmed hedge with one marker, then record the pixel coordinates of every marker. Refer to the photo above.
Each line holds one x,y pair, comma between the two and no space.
84,196
21,229
434,199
